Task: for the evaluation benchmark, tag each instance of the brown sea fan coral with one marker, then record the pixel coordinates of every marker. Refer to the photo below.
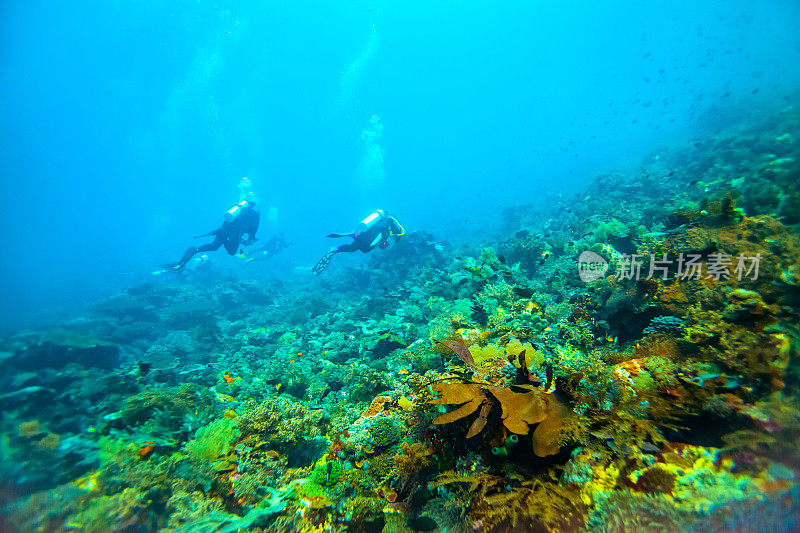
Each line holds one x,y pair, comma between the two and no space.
520,410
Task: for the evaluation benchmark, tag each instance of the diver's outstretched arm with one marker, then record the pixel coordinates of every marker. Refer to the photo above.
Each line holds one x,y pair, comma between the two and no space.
209,234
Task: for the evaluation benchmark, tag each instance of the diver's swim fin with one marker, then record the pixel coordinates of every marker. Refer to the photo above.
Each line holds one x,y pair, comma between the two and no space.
339,235
323,263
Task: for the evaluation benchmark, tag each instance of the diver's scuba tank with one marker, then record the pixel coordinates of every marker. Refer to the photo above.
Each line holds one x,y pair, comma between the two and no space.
235,211
370,221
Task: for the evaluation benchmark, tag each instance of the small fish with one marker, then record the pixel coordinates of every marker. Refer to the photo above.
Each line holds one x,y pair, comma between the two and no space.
501,258
328,471
192,368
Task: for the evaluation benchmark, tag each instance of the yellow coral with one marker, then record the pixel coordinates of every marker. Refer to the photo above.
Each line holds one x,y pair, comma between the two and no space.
29,429
405,404
486,353
49,442
603,480
87,482
534,357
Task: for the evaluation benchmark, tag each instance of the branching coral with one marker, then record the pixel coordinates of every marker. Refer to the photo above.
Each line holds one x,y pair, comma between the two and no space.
513,501
280,423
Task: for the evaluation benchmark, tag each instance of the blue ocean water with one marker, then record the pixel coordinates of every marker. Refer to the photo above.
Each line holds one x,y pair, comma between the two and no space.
128,125
529,351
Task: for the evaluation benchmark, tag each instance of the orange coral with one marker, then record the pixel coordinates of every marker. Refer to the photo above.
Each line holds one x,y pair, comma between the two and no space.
145,451
547,433
376,406
454,393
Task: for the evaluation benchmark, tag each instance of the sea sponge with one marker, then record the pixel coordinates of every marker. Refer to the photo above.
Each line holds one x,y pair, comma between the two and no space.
655,480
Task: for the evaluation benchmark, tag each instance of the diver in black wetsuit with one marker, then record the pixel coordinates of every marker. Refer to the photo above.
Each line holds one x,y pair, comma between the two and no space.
372,232
240,220
274,245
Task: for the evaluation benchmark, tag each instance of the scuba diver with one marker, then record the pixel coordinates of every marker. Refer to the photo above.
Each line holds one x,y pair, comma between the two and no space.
240,220
372,232
274,244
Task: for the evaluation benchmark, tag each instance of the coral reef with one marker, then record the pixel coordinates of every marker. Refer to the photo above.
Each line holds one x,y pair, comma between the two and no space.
471,388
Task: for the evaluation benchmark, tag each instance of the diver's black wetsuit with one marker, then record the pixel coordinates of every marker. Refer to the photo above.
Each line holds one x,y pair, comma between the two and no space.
376,236
274,244
229,234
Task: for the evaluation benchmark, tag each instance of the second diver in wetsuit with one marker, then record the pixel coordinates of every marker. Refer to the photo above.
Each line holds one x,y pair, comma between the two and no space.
240,220
273,246
372,232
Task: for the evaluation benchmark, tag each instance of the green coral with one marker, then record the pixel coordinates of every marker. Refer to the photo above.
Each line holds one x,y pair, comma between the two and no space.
386,431
381,465
321,476
212,441
307,489
611,228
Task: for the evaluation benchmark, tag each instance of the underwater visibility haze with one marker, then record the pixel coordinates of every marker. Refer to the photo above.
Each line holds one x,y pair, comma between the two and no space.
400,266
